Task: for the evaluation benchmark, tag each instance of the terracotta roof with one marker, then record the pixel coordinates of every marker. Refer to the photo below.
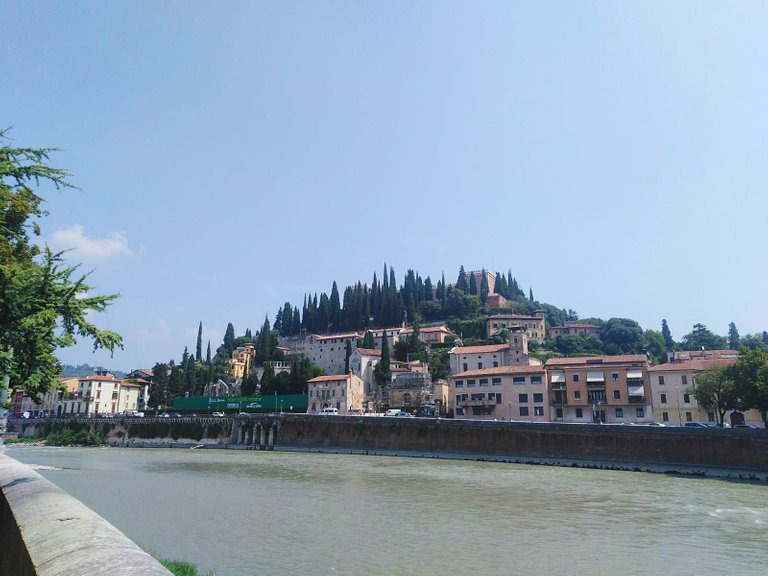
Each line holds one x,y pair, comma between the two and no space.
147,372
329,378
696,365
582,360
107,378
500,370
332,336
514,317
369,351
479,349
130,385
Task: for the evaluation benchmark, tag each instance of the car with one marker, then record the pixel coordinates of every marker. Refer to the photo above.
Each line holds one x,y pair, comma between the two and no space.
175,415
699,425
393,412
404,415
253,405
750,426
243,414
329,411
217,414
163,415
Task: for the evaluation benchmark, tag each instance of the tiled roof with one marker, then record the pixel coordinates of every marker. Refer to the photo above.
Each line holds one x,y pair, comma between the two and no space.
479,349
427,330
582,360
329,378
130,385
574,326
107,378
332,336
500,370
696,365
369,351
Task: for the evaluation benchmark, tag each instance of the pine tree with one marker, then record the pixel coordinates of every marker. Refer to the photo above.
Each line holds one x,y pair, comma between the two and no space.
199,346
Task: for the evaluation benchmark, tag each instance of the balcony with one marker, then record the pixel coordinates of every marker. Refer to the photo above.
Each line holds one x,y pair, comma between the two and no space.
637,400
470,403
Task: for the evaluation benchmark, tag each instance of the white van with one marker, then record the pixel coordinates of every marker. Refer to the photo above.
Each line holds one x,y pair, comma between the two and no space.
329,411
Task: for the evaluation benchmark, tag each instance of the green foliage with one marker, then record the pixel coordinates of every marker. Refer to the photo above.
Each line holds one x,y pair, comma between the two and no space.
701,338
715,390
381,372
468,329
576,345
734,341
653,343
621,336
180,568
750,379
369,342
68,437
43,304
667,334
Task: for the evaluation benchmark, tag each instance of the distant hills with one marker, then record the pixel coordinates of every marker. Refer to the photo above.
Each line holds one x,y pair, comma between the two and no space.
83,370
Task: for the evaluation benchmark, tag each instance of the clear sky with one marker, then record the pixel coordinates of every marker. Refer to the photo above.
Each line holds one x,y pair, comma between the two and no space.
234,155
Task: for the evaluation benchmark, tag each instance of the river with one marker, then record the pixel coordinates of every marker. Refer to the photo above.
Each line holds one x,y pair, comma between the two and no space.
284,513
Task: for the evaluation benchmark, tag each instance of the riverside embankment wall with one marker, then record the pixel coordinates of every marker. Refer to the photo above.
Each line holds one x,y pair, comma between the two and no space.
46,532
666,447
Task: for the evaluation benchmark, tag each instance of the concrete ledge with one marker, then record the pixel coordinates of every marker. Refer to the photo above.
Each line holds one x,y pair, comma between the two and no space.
46,532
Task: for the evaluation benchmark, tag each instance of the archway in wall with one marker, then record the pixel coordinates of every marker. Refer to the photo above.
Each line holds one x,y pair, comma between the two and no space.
737,418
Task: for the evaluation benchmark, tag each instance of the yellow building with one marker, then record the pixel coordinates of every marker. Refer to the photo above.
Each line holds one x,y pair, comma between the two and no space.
535,326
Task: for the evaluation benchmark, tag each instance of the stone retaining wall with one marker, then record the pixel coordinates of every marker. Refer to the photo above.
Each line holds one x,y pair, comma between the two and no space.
46,532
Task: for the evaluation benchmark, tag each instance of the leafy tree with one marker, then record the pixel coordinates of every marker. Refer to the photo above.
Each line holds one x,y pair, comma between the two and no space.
158,386
667,334
43,302
715,390
653,343
754,342
268,380
750,378
733,337
702,339
621,336
250,384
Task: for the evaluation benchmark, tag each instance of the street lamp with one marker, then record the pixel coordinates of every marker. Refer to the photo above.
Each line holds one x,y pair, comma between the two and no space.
510,411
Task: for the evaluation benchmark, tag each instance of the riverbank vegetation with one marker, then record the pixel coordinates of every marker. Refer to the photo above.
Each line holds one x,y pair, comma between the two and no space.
181,568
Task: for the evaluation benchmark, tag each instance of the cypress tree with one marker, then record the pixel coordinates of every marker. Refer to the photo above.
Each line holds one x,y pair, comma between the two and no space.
484,288
381,372
368,341
229,339
296,325
442,290
667,334
199,346
428,295
208,353
472,285
347,354
734,340
461,281
334,313
530,294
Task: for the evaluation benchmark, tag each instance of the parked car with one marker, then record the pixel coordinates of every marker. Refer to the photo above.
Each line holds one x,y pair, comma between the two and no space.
750,426
175,415
393,412
404,414
329,411
163,415
243,414
699,425
217,414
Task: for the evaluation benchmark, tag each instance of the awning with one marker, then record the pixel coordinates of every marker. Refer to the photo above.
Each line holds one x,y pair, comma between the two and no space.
595,377
636,391
557,377
631,374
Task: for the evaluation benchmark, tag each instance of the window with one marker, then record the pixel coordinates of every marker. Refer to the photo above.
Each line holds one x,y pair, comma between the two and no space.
684,379
687,398
535,379
663,398
496,381
483,382
579,413
498,397
518,379
617,394
479,365
470,383
342,392
577,394
466,367
495,364
538,410
711,416
538,397
458,398
459,383
480,396
522,398
459,411
575,377
558,412
523,411
640,412
665,416
661,380
688,417
619,413
615,376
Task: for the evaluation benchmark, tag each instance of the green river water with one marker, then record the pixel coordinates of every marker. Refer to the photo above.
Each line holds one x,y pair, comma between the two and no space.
281,513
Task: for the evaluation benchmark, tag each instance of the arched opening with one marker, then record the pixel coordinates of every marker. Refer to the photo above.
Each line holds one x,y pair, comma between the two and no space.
737,418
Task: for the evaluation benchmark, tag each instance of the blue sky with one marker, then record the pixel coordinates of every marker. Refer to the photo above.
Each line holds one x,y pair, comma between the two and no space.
235,155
